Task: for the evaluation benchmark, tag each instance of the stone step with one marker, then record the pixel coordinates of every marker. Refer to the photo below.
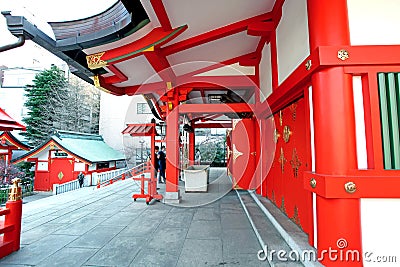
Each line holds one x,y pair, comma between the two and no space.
276,250
290,232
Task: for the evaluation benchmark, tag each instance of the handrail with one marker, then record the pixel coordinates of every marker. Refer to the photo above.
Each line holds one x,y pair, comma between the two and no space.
107,178
65,187
10,227
141,169
104,177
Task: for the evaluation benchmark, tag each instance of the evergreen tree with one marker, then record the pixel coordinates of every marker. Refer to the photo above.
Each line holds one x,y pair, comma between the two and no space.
56,104
45,100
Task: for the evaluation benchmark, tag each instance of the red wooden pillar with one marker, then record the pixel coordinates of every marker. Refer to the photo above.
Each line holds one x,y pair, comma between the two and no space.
153,152
191,145
172,143
258,168
334,127
14,204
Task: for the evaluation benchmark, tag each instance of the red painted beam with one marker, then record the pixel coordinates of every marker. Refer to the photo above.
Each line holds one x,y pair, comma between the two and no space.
214,34
213,125
154,39
157,88
260,46
360,55
260,28
221,64
369,184
161,14
216,108
161,65
109,88
118,76
277,11
210,82
205,82
203,96
324,57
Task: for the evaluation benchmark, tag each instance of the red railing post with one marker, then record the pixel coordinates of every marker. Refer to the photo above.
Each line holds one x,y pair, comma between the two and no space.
142,184
14,218
123,176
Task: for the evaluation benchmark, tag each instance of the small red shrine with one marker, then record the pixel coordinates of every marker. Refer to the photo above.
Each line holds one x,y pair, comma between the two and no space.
61,158
8,124
10,143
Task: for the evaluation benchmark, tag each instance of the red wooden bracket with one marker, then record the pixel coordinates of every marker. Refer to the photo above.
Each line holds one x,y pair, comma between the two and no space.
368,184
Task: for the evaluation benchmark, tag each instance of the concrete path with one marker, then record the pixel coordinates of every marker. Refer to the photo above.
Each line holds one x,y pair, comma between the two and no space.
104,227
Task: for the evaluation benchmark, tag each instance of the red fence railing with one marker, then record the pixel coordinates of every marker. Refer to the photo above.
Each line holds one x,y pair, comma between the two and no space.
10,221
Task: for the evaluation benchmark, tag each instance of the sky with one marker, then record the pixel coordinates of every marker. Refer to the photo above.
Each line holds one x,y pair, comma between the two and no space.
40,12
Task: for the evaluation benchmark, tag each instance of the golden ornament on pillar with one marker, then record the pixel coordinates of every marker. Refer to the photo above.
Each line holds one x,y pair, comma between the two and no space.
293,109
343,54
15,192
308,64
313,183
286,133
295,162
282,160
350,187
276,136
169,85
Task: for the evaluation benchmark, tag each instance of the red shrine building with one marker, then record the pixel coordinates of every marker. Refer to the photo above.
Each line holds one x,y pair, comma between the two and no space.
308,89
61,158
8,142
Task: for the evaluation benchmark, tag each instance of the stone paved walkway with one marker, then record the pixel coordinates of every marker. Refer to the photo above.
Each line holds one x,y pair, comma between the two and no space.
104,227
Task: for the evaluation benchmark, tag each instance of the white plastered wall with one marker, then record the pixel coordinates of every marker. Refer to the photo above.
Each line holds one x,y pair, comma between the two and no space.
265,73
43,155
92,167
112,114
114,111
292,37
376,22
79,166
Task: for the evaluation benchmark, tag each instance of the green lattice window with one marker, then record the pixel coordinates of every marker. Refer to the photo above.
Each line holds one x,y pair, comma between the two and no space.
389,98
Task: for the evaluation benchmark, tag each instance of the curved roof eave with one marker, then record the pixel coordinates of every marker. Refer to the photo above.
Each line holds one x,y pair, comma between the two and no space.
52,141
70,49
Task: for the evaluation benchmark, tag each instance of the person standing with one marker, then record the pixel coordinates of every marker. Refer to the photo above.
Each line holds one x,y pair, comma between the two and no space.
162,163
197,157
81,177
156,163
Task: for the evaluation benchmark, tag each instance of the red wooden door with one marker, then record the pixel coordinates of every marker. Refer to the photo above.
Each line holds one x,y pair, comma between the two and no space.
61,171
292,157
243,154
